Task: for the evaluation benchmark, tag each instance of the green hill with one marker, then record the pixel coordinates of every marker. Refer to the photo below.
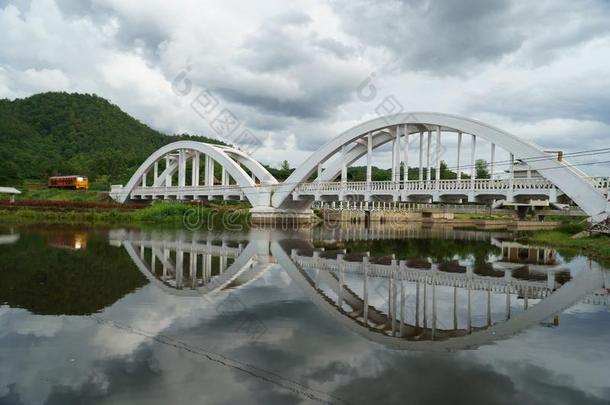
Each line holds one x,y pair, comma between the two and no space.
59,133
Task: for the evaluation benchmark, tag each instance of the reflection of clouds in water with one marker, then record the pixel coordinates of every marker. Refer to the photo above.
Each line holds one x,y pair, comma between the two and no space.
575,352
20,321
151,310
76,359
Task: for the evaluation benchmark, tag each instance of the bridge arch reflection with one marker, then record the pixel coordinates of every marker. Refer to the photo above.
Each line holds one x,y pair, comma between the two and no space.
389,302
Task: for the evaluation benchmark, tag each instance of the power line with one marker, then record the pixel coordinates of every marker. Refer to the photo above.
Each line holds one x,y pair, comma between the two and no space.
254,371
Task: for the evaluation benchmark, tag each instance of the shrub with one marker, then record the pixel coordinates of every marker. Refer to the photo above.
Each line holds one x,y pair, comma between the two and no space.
571,228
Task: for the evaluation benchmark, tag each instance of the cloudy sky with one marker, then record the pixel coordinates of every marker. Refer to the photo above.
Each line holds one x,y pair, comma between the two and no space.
290,72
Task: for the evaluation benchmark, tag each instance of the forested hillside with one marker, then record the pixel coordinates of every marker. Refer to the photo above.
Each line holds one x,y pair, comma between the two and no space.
60,133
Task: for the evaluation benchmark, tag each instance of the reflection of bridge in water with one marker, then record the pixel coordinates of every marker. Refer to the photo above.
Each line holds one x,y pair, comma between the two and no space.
189,265
384,300
359,232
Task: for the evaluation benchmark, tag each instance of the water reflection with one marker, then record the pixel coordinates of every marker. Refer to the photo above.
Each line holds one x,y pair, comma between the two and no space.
165,316
70,240
49,271
418,303
9,238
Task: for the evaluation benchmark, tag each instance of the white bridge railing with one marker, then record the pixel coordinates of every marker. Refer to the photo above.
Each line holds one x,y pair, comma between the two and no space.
431,185
219,189
600,182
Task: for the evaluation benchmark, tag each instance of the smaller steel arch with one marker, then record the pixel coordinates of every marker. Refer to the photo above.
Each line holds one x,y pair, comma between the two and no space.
241,264
220,155
251,164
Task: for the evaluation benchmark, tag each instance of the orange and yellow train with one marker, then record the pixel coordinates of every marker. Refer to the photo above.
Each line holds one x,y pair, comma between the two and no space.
72,182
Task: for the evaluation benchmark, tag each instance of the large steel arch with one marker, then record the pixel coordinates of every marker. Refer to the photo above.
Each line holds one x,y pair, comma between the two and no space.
218,154
569,180
355,153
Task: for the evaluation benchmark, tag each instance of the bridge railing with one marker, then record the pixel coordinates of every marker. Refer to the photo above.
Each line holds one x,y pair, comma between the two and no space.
428,185
600,182
190,189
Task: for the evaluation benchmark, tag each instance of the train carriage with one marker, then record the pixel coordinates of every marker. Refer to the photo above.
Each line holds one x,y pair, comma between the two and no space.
69,182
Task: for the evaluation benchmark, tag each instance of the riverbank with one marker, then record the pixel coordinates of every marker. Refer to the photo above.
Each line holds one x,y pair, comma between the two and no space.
193,216
562,239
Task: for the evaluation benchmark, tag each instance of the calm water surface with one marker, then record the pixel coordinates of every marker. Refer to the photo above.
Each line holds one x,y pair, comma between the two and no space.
354,316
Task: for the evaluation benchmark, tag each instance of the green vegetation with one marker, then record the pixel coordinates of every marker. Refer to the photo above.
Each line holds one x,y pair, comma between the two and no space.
59,133
596,247
54,281
54,194
162,213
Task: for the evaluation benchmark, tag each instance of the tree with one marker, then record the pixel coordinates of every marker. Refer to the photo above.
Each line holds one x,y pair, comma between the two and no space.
285,166
481,169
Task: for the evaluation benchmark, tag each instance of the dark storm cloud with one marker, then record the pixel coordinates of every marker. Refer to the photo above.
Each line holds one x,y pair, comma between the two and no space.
439,36
314,67
132,32
309,106
454,37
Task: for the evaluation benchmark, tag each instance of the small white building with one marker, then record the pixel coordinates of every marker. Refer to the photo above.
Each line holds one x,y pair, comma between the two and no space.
12,191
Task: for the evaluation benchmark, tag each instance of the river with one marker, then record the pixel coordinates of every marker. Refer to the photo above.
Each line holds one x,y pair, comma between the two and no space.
346,315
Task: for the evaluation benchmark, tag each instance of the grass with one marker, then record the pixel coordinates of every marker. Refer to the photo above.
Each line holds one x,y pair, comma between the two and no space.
161,213
596,247
63,195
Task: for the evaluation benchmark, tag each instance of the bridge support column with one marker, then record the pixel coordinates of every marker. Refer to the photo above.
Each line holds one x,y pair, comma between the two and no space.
405,175
195,170
396,156
459,153
343,166
421,156
369,156
209,171
168,176
429,168
510,195
179,267
492,161
365,291
181,168
473,169
438,157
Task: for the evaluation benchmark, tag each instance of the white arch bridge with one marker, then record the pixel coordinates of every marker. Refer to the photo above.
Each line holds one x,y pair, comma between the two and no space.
188,170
